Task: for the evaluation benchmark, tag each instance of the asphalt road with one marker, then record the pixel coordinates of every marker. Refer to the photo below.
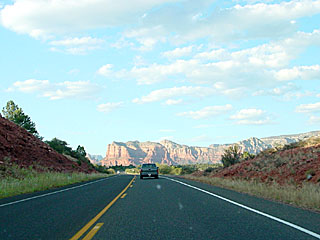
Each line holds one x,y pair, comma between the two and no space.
164,208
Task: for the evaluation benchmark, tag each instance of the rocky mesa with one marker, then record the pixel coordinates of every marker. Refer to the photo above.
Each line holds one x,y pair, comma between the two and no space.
165,152
171,153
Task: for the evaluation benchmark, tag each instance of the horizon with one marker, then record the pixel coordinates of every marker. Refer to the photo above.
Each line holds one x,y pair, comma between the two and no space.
193,72
229,143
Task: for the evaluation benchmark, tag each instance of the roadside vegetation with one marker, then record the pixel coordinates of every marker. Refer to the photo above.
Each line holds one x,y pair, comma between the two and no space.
15,114
286,173
306,196
174,169
233,155
15,180
18,179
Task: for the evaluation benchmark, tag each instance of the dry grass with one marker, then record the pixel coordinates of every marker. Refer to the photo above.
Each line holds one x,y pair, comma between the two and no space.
21,180
305,196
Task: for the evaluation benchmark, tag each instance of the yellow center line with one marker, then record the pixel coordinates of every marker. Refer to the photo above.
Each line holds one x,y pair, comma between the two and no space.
93,231
92,221
123,195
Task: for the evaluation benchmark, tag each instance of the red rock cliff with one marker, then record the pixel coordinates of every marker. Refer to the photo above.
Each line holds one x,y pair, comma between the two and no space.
165,152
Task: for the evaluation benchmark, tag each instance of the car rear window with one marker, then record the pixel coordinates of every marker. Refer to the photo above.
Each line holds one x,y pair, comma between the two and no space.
149,166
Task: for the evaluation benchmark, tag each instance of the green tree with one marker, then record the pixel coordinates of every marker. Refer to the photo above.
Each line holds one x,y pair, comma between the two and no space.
231,156
60,146
81,151
15,114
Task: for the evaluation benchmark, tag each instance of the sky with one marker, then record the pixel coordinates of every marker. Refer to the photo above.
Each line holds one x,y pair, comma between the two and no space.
91,72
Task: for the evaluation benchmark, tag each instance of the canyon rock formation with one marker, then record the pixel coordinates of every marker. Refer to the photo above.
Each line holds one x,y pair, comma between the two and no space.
168,152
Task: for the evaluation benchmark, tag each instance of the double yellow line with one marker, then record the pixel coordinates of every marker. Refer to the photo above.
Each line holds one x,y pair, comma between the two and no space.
92,221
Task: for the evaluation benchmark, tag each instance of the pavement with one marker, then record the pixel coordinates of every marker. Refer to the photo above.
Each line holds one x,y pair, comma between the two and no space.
126,207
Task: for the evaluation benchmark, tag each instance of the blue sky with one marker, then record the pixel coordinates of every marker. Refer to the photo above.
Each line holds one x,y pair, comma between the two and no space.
195,72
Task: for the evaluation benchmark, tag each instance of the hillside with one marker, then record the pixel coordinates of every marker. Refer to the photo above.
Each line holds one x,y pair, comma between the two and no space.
22,148
295,163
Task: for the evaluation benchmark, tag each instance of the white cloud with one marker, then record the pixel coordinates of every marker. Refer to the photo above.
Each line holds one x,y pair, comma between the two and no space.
76,46
257,67
105,70
278,91
147,44
146,37
178,52
308,108
157,72
250,21
216,54
207,112
299,73
159,20
174,101
251,116
288,96
77,41
168,93
109,107
314,120
35,17
54,91
79,89
247,113
30,86
122,43
74,71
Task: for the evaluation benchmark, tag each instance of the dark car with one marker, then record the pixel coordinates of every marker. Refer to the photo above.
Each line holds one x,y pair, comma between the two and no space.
149,170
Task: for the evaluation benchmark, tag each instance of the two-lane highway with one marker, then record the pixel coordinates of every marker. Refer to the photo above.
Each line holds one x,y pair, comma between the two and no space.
56,214
125,207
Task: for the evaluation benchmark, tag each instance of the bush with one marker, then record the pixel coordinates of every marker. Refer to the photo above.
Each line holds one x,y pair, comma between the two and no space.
132,171
175,170
231,156
164,169
111,171
209,170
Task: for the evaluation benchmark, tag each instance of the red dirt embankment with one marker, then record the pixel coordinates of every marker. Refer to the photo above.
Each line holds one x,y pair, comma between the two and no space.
296,166
22,148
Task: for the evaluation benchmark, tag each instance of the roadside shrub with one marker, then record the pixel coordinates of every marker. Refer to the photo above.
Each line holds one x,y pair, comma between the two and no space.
188,169
111,171
164,169
176,170
209,170
231,156
132,171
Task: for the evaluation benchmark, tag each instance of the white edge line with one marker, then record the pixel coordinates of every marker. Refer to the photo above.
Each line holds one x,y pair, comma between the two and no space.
51,193
251,209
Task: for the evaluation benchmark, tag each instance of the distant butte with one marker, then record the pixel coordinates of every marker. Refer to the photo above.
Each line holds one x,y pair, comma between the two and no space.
168,152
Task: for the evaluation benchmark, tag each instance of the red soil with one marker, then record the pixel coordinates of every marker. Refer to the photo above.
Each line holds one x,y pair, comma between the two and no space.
24,149
289,166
